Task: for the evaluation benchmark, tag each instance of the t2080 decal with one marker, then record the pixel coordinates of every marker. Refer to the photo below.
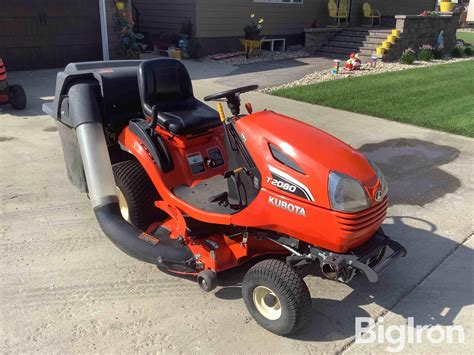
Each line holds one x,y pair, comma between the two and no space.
287,183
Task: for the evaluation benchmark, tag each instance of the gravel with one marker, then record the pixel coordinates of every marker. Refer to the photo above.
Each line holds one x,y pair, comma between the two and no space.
263,56
326,75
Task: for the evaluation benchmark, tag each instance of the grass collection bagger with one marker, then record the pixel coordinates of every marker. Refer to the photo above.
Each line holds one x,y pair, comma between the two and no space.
175,183
10,94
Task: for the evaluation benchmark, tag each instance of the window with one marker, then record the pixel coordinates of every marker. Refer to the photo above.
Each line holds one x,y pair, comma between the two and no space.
281,1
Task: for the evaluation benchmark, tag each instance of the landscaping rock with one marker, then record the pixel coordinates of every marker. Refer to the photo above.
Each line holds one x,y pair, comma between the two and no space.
238,58
382,67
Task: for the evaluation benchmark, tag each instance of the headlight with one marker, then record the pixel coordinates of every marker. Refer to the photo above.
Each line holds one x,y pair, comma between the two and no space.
383,182
346,194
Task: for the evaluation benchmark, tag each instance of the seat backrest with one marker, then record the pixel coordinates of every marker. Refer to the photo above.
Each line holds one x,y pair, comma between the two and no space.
343,8
332,8
165,83
367,9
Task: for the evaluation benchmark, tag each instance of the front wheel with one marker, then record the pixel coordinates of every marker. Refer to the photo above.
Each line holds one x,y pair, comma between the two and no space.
276,297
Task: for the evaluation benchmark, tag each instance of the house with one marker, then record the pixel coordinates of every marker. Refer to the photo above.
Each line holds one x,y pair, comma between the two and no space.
49,34
219,23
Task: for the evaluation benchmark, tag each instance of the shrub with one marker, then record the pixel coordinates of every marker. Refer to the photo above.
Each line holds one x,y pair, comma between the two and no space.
193,48
426,53
408,56
457,52
129,44
468,51
186,27
253,29
438,54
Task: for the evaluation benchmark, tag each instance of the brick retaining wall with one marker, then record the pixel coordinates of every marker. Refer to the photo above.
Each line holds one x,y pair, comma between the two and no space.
419,30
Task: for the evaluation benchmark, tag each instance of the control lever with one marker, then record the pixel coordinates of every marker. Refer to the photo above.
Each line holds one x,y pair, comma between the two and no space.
154,117
230,173
249,108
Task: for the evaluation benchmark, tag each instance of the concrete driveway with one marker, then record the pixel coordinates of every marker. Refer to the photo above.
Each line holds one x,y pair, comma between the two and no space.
65,288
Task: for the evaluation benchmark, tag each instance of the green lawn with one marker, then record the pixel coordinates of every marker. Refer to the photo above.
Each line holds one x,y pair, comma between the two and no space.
467,37
439,97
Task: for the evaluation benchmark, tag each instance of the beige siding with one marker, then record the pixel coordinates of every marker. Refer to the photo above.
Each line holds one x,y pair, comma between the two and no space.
222,18
164,15
402,7
390,8
226,18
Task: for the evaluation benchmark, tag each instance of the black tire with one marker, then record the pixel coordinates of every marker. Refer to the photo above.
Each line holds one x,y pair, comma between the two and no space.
17,97
139,192
207,280
287,288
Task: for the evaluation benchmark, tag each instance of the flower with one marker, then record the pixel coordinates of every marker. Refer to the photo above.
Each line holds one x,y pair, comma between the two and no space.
252,15
426,47
261,21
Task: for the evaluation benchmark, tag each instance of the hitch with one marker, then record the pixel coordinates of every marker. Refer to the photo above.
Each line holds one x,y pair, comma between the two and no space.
367,258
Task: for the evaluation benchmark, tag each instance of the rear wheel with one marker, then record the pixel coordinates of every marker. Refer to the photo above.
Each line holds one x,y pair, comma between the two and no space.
17,97
277,297
137,194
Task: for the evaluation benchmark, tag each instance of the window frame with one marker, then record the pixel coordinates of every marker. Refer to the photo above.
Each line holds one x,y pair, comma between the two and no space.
287,2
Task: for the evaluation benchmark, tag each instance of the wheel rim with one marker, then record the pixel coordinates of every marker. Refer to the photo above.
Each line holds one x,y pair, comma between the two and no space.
267,303
123,205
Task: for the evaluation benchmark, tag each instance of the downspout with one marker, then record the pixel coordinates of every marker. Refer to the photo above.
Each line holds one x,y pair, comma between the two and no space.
103,30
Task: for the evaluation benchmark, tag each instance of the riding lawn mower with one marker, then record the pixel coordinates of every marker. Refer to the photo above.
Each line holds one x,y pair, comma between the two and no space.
10,94
178,184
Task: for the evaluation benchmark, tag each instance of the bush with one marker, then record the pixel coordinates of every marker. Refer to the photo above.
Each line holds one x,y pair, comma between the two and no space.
468,51
457,52
193,48
408,56
425,55
438,54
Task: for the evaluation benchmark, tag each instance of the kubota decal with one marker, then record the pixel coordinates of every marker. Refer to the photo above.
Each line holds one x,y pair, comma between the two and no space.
287,206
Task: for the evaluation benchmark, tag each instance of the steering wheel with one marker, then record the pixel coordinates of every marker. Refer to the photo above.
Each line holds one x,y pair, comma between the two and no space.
229,94
232,97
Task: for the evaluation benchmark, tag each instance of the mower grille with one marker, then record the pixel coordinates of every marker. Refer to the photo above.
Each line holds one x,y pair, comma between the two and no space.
368,219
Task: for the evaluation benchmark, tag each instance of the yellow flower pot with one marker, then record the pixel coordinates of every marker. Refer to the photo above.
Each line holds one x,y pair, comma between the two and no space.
446,6
396,33
120,5
380,51
175,53
392,38
386,45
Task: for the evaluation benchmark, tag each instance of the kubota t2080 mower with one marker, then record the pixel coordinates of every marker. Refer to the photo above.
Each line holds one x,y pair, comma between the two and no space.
177,184
10,94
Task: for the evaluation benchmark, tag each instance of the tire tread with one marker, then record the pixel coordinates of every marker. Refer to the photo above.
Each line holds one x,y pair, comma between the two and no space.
139,191
290,285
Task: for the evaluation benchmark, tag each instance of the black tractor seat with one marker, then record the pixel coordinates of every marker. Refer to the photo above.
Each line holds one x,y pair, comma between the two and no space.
165,84
197,120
